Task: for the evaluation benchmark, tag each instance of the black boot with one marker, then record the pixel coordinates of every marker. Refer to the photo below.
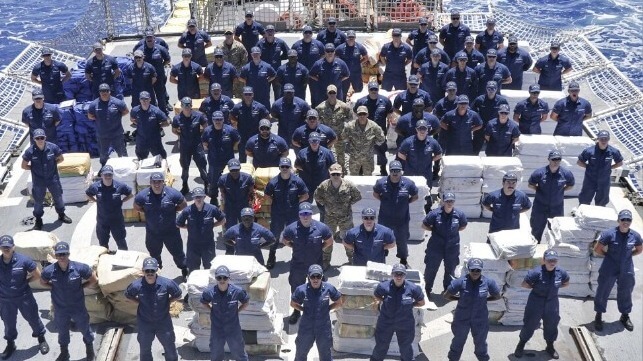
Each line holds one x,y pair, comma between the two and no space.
37,224
185,189
64,354
294,317
551,350
598,322
9,350
520,349
89,350
214,201
184,274
404,262
383,171
64,218
272,258
627,323
43,346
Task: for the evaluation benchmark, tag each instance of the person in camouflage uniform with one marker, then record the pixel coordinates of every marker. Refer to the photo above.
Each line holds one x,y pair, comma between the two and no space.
235,53
361,136
337,195
335,114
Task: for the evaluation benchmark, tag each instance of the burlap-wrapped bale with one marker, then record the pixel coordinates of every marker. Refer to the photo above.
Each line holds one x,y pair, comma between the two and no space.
89,256
74,165
263,175
355,331
366,302
115,272
99,309
259,288
37,245
122,303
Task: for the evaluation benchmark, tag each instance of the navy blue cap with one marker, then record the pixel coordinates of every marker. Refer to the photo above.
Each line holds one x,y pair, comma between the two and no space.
329,47
192,22
550,255
492,52
314,137
503,108
331,20
265,123
468,39
512,40
448,196
234,164
215,86
255,50
534,88
461,55
395,165
436,51
421,124
148,33
491,21
285,162
270,27
198,192
61,247
398,268
554,44
222,271
305,208
249,13
312,113
307,29
247,212
432,38
292,52
475,263
248,90
98,45
573,85
39,133
150,263
46,51
462,99
413,79
452,86
315,269
6,241
396,32
455,12
228,32
373,85
351,34
144,95
423,21
37,93
186,101
492,84
108,169
157,176
369,212
104,86
218,52
603,134
289,88
510,176
418,101
624,214
554,154
186,51
217,115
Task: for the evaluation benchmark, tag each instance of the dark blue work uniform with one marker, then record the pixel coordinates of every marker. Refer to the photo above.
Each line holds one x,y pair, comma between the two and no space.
474,58
466,81
501,137
570,116
16,295
224,75
200,246
444,106
68,299
225,316
352,56
285,205
378,111
273,53
596,183
301,134
453,37
617,267
141,79
313,166
308,53
45,119
248,118
506,209
443,245
395,70
542,303
157,41
471,313
160,223
487,109
196,42
109,127
517,62
405,126
329,73
51,80
432,77
101,71
249,34
458,140
148,131
549,199
289,115
424,56
419,39
153,315
419,156
210,105
336,37
315,324
396,316
488,41
266,152
44,174
485,74
394,209
158,56
190,146
109,217
248,240
551,70
530,115
307,245
256,76
236,195
296,75
369,245
220,151
188,79
404,100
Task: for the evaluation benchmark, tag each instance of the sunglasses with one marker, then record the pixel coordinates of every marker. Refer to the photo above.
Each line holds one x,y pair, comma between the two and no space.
235,170
336,174
103,91
39,138
450,201
62,254
305,214
264,128
284,167
475,270
395,170
422,129
149,272
221,278
332,23
362,114
308,33
556,159
312,118
138,57
187,56
368,218
626,219
315,277
399,274
330,51
45,55
332,93
455,18
218,56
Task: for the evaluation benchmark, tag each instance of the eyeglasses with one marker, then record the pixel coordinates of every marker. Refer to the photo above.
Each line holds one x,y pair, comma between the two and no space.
556,159
626,219
218,56
336,174
475,270
455,18
450,201
315,277
312,118
333,93
396,170
104,91
150,271
264,128
284,167
221,278
399,274
39,138
368,218
62,254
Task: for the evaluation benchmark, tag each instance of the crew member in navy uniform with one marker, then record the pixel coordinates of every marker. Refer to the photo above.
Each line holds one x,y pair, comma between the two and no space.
330,70
225,301
618,245
154,294
465,78
418,152
542,304
142,76
404,101
248,32
160,204
452,35
597,161
407,123
188,125
109,195
218,142
149,121
301,134
550,183
457,126
248,238
313,299
501,134
108,111
417,38
506,204
551,68
517,60
570,112
294,73
221,72
237,192
424,55
471,313
258,74
309,50
197,41
396,298
474,56
331,35
200,219
354,54
159,57
42,160
157,40
395,56
529,113
266,148
48,73
186,75
492,70
487,106
313,162
432,74
216,102
67,279
289,111
101,69
370,241
41,115
245,116
273,51
490,38
16,272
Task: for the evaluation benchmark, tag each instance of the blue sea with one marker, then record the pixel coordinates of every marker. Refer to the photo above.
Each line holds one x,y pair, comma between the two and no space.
620,37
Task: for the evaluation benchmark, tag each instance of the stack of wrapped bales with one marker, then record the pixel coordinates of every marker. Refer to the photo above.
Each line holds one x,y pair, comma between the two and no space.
98,307
261,177
125,169
494,168
462,176
571,148
533,149
37,245
75,176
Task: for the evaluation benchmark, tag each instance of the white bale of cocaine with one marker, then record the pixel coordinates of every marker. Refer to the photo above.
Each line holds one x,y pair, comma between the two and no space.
573,146
353,281
243,269
595,217
37,245
497,167
513,244
536,145
365,346
124,169
144,171
461,166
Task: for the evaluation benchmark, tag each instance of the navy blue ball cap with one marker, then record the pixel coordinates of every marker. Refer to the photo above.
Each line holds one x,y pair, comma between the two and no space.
234,164
573,85
432,38
492,53
418,102
513,40
329,47
186,52
289,88
61,247
421,124
413,79
270,27
468,39
46,51
255,50
373,85
448,197
534,88
331,20
144,95
475,263
108,169
503,108
307,29
6,241
462,99
217,115
550,255
104,86
186,101
264,123
305,208
37,93
492,85
285,162
398,268
249,13
603,134
510,177
624,214
247,212
314,137
315,269
198,192
157,176
218,52
395,165
396,32
215,86
248,90
192,22
39,133
554,154
351,34
423,21
452,86
312,113
436,52
369,212
150,264
222,271
461,55
292,52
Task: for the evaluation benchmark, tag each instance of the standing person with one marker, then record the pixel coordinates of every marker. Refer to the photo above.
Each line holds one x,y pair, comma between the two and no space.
42,160
237,192
41,115
266,148
445,225
330,70
501,134
154,294
407,123
294,73
506,204
200,219
313,162
542,304
453,34
335,113
101,69
490,38
301,134
465,78
248,32
309,50
331,35
569,113
236,54
160,204
395,194
290,112
361,137
487,106
395,56
223,73
157,40
597,161
529,113
51,74
313,299
245,116
188,125
273,51
417,38
431,75
369,242
354,55
551,68
307,238
109,195
447,103
66,279
492,70
340,195
16,271
457,127
108,111
197,41
248,238
186,75
517,60
618,245
258,74
474,57
149,121
218,142
471,313
142,75
422,57
159,57
286,191
396,299
216,102
225,301
550,183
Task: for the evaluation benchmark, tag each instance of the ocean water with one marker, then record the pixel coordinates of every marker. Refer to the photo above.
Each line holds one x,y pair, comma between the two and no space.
620,37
